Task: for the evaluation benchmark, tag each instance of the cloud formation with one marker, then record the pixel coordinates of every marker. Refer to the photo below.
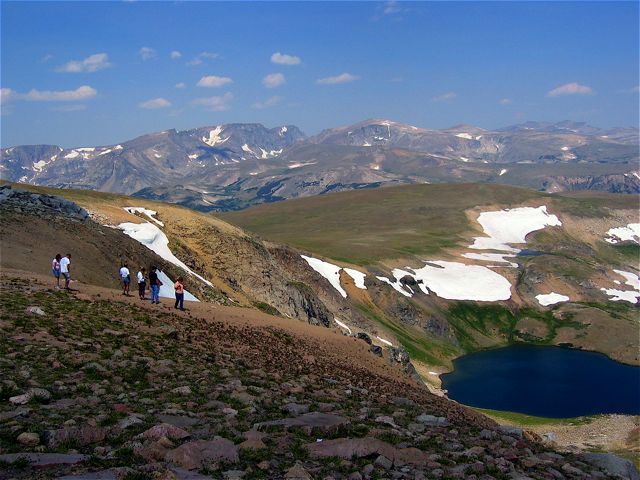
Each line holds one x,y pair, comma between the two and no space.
147,53
6,94
181,85
93,63
285,59
268,103
155,103
573,88
84,92
504,101
274,80
175,55
391,7
216,104
201,57
213,81
342,78
445,97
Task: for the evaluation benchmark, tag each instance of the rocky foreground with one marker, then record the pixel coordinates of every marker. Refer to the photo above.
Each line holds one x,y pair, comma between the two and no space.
94,388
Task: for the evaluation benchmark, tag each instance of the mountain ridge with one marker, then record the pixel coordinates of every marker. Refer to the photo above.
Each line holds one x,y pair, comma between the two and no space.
236,165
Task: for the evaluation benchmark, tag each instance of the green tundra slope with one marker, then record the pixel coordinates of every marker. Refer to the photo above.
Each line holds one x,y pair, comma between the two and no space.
377,230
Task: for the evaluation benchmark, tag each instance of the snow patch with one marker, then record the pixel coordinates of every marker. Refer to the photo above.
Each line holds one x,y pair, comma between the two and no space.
502,172
193,156
118,147
631,279
298,165
564,149
464,159
630,296
386,342
167,290
358,277
246,148
86,149
72,154
328,270
108,150
551,298
464,135
149,213
621,234
340,324
154,239
511,226
215,138
491,257
396,286
283,130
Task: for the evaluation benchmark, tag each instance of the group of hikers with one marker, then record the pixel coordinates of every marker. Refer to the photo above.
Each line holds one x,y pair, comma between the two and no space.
60,266
154,285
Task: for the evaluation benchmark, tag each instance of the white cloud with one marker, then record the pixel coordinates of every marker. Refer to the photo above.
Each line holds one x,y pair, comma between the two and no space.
573,88
505,101
274,80
285,59
175,55
84,92
155,103
213,81
342,78
93,63
635,89
181,85
217,104
46,58
445,97
6,95
268,103
147,53
69,108
201,57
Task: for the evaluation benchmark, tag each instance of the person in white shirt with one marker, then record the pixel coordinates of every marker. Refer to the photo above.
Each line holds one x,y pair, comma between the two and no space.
142,284
125,277
65,269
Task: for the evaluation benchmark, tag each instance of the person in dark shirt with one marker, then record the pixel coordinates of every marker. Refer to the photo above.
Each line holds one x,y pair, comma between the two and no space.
154,283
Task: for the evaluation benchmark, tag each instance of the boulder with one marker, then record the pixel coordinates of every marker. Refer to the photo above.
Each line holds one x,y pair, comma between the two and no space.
349,448
45,459
200,453
39,394
308,422
165,430
28,439
612,464
80,436
364,336
298,472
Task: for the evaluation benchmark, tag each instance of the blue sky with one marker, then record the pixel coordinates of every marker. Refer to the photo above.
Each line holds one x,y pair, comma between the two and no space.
92,73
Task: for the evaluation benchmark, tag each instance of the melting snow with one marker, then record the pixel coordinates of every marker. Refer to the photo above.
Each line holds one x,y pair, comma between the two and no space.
491,257
620,234
214,137
631,279
366,144
564,149
86,149
630,296
73,154
551,299
193,156
246,148
167,290
118,147
511,226
358,277
478,137
154,239
396,286
464,159
298,165
342,325
503,171
328,270
108,150
464,135
283,130
149,213
386,342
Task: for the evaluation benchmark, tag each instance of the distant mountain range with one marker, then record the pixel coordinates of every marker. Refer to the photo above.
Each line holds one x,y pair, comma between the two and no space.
229,167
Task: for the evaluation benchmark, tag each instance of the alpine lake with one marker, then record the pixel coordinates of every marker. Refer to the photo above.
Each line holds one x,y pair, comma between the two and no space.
544,381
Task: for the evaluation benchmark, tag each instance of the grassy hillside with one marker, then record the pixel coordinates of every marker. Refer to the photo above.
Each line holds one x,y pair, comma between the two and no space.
366,226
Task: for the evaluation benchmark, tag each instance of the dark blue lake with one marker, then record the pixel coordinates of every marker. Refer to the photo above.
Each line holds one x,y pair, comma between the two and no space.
544,381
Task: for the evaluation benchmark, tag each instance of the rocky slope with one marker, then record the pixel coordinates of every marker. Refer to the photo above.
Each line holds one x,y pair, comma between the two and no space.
98,387
228,167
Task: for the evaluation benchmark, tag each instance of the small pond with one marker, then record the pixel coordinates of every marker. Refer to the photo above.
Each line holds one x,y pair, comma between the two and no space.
544,381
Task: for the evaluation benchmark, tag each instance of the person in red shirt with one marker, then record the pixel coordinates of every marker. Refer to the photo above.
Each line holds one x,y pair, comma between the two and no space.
179,287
